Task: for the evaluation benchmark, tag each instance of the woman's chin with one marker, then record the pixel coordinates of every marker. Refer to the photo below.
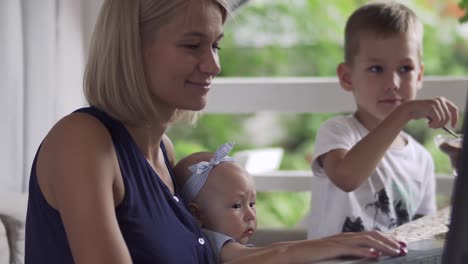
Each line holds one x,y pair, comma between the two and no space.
196,107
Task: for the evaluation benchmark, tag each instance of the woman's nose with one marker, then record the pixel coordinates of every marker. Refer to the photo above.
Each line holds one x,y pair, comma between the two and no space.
210,63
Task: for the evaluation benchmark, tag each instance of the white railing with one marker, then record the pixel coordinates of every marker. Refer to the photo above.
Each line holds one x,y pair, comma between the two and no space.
302,95
307,95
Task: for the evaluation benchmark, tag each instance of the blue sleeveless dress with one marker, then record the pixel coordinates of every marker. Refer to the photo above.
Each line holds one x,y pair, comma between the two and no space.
156,227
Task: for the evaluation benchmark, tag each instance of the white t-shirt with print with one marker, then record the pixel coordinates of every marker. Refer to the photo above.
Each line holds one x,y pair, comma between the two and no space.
401,188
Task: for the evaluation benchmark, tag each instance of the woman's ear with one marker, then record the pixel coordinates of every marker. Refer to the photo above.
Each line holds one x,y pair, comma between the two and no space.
344,76
196,213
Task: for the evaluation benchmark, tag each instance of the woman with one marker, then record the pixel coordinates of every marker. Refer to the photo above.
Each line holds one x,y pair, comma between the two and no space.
101,186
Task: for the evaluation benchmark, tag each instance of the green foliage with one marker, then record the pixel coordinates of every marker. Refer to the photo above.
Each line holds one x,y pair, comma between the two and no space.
208,134
298,144
281,209
305,38
464,5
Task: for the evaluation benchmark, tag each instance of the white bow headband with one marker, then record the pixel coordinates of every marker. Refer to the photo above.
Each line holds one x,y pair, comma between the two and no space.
201,171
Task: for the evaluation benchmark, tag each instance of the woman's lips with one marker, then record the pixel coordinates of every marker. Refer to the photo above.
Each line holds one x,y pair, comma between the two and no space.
204,85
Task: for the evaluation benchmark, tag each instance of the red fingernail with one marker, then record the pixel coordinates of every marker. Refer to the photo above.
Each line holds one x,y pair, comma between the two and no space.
403,252
375,254
402,244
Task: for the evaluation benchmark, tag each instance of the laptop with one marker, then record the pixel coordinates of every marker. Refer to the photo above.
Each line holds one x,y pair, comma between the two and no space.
453,249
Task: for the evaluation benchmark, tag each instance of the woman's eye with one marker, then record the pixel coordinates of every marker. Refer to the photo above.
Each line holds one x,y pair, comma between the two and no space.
252,204
192,46
237,206
216,47
376,69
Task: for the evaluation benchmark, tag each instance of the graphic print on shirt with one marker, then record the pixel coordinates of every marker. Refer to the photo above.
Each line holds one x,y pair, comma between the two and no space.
381,206
353,226
401,206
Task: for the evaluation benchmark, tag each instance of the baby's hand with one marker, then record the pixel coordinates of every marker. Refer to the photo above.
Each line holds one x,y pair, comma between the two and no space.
439,111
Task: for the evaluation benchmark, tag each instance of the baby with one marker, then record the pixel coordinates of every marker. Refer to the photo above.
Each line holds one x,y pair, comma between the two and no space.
224,201
221,195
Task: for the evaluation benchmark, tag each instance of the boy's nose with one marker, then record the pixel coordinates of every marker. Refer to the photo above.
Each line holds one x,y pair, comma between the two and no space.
393,81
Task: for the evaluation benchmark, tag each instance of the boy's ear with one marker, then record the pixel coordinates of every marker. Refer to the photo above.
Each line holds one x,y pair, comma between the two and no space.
344,76
420,76
196,212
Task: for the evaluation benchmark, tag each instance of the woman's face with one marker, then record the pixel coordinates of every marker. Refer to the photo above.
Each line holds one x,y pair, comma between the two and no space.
182,59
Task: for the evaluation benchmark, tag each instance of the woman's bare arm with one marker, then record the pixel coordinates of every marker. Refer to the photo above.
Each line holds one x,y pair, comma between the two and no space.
363,245
79,175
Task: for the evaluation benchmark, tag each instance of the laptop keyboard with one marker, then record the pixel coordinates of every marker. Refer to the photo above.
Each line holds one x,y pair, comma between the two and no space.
433,256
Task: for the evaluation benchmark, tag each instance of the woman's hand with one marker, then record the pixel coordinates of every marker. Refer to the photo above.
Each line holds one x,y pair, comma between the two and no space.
369,245
364,245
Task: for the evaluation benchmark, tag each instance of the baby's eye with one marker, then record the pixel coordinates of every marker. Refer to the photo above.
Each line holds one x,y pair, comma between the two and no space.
252,204
375,69
237,206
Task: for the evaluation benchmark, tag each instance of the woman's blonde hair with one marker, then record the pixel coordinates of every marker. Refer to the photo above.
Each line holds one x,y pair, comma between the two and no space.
114,79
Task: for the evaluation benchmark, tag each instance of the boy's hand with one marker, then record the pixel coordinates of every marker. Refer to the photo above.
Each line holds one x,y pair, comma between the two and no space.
439,111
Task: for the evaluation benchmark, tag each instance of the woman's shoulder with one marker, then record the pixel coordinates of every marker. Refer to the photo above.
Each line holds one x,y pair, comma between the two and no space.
77,128
79,150
75,135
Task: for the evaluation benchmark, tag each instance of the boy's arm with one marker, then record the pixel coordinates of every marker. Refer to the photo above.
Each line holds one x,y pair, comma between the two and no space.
348,169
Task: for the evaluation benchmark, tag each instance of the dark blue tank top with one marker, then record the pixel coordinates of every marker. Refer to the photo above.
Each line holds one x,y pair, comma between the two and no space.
156,227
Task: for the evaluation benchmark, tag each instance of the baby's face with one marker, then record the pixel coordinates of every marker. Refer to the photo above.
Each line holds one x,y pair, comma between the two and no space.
386,72
227,202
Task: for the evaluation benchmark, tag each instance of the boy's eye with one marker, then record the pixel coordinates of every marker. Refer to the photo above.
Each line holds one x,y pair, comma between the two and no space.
376,69
237,206
405,69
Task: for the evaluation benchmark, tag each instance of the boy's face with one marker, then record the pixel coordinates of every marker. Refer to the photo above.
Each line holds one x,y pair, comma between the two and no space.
227,202
386,72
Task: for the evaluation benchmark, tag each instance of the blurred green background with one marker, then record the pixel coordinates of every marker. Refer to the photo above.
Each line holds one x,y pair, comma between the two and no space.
304,38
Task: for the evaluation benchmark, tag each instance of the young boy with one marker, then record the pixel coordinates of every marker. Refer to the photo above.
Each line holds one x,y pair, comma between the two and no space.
370,174
221,195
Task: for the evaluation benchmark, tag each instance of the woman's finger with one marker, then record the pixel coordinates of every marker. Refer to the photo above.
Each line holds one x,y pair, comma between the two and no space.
370,242
359,252
386,239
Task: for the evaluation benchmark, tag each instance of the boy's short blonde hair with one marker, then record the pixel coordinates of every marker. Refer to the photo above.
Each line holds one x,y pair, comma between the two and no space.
114,79
383,18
